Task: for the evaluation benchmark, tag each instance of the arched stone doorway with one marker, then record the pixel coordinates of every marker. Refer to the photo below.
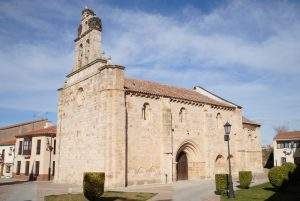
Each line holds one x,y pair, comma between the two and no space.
188,161
182,166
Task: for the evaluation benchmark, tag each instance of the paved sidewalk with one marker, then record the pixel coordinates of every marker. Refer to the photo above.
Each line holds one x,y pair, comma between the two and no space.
197,190
10,181
34,191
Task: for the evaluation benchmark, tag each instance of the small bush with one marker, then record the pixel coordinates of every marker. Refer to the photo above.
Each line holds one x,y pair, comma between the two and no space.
93,185
289,167
278,177
221,181
245,178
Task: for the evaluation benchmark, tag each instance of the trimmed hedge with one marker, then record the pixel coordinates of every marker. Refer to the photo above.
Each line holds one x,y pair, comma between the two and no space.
222,182
93,185
278,176
245,178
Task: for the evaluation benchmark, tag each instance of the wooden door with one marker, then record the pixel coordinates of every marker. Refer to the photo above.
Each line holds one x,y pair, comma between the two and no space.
182,166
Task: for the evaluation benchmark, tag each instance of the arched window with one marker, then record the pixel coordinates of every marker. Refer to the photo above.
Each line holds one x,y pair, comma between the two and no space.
80,96
182,114
146,111
219,120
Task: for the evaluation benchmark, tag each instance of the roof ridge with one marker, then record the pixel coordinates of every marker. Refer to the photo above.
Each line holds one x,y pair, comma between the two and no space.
174,91
22,123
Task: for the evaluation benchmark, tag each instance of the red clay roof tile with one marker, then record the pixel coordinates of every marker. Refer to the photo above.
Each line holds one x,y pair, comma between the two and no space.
44,131
8,142
288,135
153,88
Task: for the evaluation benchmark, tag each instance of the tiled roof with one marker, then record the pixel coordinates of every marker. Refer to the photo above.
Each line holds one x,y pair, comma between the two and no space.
153,88
8,142
288,135
44,131
21,124
247,121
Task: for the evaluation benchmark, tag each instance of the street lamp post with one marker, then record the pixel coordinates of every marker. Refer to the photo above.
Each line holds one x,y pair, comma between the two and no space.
227,128
49,148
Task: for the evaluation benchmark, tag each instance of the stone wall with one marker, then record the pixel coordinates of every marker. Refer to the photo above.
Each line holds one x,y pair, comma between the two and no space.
155,142
80,140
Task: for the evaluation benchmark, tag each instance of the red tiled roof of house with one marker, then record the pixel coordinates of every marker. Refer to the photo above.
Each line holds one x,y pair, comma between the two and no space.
153,88
21,124
8,142
44,131
289,135
247,121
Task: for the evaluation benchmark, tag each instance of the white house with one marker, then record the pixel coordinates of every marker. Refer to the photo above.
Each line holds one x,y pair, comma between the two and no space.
287,148
7,154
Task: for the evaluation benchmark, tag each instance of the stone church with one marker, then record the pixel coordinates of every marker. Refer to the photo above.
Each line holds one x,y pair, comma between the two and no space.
142,132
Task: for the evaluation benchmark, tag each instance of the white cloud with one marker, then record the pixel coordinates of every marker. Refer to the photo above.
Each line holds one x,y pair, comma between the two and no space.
218,39
246,51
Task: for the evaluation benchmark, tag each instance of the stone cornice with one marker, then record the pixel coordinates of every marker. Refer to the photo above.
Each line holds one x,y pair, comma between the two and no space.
111,66
86,66
172,99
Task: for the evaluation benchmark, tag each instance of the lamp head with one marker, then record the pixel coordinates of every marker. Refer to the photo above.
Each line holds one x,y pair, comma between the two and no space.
227,128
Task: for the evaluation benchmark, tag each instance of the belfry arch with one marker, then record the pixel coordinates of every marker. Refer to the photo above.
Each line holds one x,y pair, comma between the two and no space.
188,164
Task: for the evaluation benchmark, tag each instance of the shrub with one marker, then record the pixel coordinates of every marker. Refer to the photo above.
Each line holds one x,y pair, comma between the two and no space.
93,185
278,177
245,178
221,181
289,167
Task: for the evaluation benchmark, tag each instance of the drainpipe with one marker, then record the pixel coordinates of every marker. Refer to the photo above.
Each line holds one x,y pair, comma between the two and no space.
126,142
172,148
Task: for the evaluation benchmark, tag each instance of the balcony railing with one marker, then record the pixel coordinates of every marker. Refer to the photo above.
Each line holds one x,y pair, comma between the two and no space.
27,152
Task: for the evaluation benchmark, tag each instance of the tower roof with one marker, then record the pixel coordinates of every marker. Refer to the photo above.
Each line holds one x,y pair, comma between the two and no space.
87,11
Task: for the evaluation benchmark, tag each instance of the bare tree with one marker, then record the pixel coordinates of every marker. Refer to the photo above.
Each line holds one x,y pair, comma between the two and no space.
280,129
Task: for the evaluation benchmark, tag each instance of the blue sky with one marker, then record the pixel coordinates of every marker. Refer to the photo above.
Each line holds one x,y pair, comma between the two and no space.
245,51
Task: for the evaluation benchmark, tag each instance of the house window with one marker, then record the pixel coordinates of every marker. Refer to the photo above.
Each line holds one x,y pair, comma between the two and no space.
287,144
3,155
10,151
27,146
182,114
20,148
146,111
53,168
38,147
282,144
37,168
27,168
54,147
18,168
8,168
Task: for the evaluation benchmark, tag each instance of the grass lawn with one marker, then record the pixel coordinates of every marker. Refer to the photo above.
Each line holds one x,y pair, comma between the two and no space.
107,196
266,192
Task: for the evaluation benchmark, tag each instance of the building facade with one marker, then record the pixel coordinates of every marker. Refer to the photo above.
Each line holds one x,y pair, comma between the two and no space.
7,154
35,154
141,132
287,148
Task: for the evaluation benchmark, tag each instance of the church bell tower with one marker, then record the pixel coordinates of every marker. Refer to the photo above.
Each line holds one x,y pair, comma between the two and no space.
88,41
91,114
